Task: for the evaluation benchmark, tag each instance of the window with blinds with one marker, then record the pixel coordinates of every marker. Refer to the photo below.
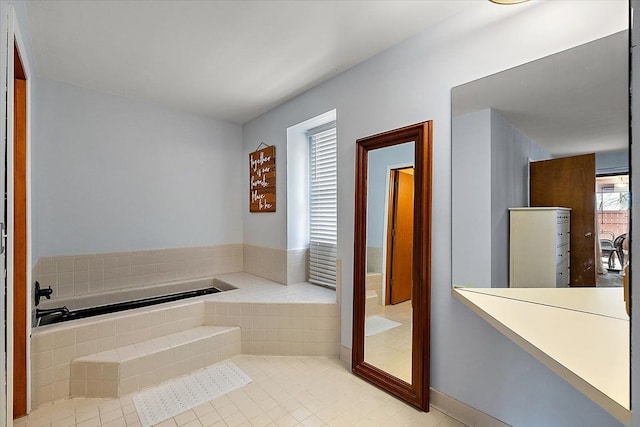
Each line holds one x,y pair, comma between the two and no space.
323,206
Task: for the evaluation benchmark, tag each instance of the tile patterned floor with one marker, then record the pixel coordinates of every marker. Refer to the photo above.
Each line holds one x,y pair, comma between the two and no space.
286,391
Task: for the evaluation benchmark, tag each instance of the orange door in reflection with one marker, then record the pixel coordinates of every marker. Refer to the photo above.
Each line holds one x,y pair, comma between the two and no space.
400,236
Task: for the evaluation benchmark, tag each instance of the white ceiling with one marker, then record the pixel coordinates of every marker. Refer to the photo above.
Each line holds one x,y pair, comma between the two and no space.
572,102
228,59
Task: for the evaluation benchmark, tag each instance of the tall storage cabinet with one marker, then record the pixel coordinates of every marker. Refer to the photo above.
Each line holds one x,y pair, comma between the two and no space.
539,247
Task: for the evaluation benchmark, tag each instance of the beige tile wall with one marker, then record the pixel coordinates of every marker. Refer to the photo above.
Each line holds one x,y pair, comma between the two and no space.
130,294
374,259
92,274
266,328
77,275
297,266
373,282
303,329
269,263
53,348
280,265
117,373
94,379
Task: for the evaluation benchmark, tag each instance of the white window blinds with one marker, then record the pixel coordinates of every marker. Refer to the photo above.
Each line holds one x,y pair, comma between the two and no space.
323,207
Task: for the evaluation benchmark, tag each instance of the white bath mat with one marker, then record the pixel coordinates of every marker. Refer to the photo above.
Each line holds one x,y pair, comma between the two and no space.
376,324
174,397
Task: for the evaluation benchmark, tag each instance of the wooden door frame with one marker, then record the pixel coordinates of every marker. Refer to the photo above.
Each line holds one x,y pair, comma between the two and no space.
388,242
20,305
416,393
14,37
385,227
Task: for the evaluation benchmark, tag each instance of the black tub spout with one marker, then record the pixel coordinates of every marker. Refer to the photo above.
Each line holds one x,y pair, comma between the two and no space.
44,312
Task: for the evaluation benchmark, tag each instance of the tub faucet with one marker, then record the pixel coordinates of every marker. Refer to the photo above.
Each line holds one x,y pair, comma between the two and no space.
42,292
44,312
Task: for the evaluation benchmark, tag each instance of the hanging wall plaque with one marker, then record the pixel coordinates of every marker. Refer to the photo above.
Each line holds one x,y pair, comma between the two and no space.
262,180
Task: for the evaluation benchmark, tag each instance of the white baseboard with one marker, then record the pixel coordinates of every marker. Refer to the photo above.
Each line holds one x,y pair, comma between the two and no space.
345,355
461,411
454,408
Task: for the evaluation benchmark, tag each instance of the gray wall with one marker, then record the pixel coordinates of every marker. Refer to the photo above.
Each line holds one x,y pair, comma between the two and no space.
511,151
379,161
116,174
410,83
490,172
471,199
610,162
21,13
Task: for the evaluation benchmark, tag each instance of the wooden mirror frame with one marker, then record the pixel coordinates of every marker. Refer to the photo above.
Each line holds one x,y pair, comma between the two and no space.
416,393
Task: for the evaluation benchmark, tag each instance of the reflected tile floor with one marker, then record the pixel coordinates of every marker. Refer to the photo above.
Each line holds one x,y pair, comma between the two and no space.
286,391
390,350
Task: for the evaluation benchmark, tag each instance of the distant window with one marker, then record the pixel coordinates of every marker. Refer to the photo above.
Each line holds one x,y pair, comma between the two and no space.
612,193
323,205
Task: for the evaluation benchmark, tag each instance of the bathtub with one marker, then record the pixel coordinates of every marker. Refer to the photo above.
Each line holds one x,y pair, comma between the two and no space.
112,302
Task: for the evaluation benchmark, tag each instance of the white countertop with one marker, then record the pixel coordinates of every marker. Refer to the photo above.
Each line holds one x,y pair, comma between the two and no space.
581,334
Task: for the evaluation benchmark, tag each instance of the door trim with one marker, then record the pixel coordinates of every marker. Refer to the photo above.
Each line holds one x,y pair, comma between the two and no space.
390,213
385,226
20,241
14,35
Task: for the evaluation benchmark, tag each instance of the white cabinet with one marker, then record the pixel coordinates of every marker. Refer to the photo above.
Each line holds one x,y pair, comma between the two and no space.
539,247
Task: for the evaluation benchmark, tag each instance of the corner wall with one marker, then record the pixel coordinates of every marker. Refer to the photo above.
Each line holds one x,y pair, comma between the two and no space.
117,174
511,151
491,175
410,83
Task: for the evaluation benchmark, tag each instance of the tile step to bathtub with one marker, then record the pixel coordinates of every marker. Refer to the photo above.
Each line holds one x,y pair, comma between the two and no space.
127,369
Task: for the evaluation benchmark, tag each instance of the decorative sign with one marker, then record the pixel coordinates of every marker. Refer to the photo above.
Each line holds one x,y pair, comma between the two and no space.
262,180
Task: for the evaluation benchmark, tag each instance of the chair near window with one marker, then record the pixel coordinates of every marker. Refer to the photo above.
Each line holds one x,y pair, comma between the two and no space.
620,245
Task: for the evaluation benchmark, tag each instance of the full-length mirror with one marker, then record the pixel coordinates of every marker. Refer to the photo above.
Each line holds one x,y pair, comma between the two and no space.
540,211
550,133
391,262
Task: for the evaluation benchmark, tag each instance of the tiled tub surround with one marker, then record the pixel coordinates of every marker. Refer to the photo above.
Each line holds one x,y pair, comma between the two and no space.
93,274
114,373
54,347
374,259
280,265
130,294
299,319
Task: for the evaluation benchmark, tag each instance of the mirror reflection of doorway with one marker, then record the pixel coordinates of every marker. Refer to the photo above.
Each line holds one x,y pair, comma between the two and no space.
391,349
400,236
389,312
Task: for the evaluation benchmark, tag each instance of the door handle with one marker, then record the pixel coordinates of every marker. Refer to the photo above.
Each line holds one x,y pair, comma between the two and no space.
588,234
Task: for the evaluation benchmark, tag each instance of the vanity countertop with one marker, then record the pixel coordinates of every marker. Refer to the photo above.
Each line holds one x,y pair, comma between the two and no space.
581,334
